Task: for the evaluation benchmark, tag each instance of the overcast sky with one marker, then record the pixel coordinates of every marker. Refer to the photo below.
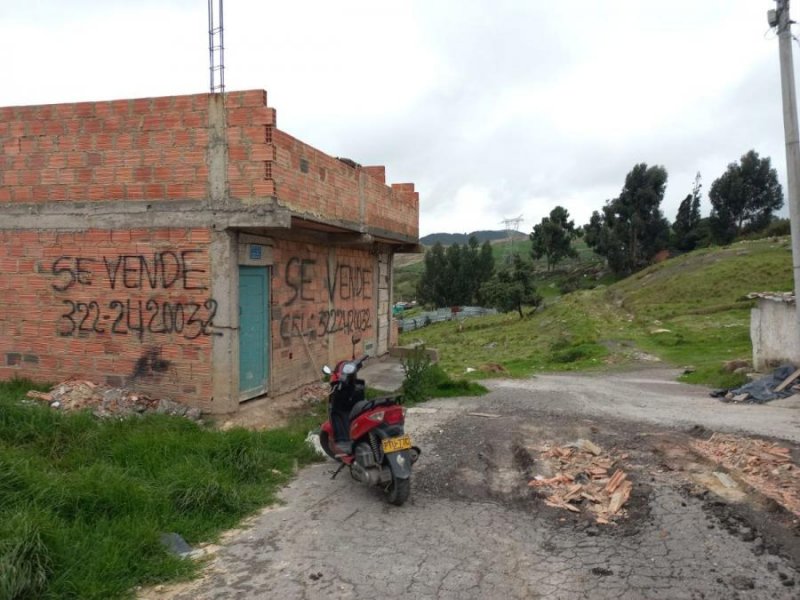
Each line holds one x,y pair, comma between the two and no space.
494,108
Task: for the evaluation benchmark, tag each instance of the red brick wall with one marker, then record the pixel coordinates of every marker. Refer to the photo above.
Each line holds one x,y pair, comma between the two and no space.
92,303
326,294
119,307
157,148
249,124
150,148
309,181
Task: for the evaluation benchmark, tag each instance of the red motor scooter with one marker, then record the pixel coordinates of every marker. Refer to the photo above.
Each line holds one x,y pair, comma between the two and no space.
368,436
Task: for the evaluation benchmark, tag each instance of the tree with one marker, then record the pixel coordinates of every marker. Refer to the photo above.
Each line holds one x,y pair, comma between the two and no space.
453,276
469,270
429,288
686,234
632,230
552,238
744,197
511,288
486,261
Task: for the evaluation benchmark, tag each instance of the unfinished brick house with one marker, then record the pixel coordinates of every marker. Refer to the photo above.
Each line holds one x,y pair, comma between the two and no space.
186,247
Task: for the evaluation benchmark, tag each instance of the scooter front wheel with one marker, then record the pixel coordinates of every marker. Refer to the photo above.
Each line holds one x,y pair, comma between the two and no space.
399,491
325,442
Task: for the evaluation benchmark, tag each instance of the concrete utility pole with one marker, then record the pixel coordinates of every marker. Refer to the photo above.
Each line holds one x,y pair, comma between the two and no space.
780,17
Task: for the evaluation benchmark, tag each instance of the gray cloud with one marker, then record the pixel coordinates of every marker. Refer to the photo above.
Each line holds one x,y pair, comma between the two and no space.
493,108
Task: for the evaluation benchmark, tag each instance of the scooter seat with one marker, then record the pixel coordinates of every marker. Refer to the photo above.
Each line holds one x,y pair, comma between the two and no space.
365,405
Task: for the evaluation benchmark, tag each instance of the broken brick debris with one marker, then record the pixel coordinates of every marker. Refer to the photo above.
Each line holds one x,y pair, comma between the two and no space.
105,401
616,479
765,466
620,497
314,393
582,481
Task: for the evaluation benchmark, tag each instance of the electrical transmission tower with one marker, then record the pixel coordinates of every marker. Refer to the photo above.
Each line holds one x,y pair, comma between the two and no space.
511,227
216,46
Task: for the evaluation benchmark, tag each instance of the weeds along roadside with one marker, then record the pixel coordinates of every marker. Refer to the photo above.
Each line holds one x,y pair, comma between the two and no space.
83,501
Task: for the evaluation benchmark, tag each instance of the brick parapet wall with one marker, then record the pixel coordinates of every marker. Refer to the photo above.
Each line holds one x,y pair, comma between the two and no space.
144,149
121,307
152,149
313,183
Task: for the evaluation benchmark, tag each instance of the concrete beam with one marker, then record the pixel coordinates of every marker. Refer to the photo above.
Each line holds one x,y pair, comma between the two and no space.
133,214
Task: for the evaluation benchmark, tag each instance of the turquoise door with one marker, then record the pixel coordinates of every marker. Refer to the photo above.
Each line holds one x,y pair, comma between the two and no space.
253,331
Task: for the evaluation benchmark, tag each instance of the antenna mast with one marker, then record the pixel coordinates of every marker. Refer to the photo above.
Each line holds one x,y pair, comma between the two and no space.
216,46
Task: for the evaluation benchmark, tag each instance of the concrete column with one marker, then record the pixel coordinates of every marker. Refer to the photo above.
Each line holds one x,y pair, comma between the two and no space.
225,342
223,253
217,153
384,295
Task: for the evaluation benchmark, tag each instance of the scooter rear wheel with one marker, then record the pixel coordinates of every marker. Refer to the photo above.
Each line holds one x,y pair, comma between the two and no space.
399,491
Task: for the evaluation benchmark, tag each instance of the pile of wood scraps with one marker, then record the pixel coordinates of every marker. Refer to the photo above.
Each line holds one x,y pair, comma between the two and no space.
765,466
586,479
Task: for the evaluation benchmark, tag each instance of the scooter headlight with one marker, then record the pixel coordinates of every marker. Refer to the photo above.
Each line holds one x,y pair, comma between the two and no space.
348,368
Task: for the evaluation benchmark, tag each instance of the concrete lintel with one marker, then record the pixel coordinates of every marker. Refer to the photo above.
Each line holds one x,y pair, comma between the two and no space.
392,237
351,239
133,214
304,221
409,249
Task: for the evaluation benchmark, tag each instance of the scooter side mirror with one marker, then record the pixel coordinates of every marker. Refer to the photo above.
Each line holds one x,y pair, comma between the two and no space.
327,370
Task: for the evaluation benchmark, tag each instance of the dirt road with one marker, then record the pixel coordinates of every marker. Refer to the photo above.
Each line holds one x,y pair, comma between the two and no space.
475,529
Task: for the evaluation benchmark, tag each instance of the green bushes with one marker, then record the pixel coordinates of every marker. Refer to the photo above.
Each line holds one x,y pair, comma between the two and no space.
426,380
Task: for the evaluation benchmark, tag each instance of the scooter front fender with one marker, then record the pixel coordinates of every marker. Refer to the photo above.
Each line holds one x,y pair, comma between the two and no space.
399,464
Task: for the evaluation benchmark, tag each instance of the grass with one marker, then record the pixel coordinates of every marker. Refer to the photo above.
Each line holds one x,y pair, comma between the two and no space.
688,311
84,501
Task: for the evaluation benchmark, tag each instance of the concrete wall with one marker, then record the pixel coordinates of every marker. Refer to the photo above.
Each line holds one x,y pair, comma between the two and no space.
774,334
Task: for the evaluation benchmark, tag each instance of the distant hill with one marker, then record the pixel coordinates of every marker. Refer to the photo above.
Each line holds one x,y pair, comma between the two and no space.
448,239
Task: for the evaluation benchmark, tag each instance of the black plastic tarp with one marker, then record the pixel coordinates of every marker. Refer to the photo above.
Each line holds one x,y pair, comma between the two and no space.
763,390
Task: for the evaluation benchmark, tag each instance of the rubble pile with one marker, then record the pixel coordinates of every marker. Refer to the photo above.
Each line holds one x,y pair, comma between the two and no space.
585,477
314,393
105,401
765,466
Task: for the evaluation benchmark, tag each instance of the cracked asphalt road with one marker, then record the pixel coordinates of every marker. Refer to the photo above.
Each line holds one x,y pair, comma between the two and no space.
474,529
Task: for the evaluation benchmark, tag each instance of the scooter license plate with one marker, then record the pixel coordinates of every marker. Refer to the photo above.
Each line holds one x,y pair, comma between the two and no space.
396,444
